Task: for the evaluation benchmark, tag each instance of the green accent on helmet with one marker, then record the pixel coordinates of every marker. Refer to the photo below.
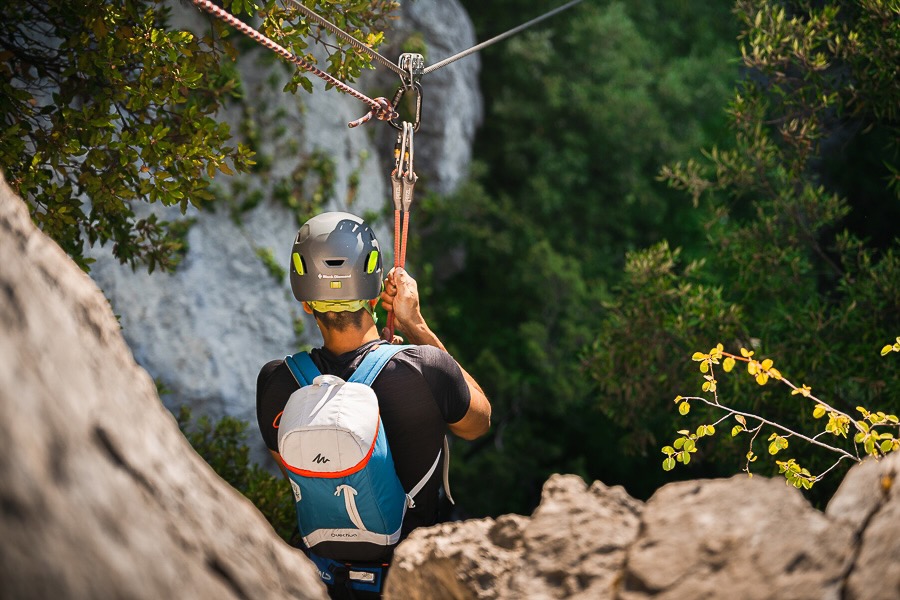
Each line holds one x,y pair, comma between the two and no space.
298,264
335,257
372,264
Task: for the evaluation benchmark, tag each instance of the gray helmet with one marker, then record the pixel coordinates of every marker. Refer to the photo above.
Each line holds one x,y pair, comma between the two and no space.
335,257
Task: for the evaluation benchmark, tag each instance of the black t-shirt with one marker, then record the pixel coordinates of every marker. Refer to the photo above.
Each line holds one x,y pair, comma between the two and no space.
419,390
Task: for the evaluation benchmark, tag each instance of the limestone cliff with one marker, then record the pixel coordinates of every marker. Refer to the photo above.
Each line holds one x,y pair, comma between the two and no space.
100,494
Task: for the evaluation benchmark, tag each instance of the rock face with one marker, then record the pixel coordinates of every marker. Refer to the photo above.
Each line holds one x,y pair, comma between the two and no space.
100,494
574,545
732,538
205,330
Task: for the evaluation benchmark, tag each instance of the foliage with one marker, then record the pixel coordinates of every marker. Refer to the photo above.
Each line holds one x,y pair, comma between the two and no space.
588,106
793,232
872,433
223,446
104,106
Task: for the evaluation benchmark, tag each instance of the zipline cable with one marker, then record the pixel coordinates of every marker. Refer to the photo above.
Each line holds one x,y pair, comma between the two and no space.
497,38
347,37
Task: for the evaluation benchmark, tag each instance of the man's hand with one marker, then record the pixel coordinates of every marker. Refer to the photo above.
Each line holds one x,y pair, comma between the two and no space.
401,295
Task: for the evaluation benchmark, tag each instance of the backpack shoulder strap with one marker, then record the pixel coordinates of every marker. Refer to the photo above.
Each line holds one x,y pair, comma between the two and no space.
366,373
302,368
373,362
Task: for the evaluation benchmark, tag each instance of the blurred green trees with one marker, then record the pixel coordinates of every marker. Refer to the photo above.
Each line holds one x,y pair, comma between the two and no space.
581,113
579,286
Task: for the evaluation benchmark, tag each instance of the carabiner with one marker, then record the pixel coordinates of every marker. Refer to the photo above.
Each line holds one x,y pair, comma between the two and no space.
395,102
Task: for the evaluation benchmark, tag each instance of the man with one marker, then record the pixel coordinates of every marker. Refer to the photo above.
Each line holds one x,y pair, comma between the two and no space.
336,272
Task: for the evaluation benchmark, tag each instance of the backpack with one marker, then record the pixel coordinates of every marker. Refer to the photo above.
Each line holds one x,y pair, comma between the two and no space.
350,503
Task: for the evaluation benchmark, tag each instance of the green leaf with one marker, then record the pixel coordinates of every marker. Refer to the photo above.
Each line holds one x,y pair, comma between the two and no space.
668,450
869,445
668,464
686,458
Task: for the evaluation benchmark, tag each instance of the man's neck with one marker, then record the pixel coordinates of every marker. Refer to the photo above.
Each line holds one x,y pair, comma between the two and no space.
341,342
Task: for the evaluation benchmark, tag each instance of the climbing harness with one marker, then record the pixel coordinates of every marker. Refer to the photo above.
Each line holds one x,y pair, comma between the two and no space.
411,69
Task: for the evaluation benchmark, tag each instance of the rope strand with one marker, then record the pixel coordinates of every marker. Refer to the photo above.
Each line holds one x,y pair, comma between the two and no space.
380,107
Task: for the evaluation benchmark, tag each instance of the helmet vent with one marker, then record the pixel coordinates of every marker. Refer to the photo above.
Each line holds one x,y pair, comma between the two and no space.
334,262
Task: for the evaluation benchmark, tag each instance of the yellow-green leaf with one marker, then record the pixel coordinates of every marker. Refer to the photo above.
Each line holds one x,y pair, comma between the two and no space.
728,364
684,408
669,464
886,349
819,411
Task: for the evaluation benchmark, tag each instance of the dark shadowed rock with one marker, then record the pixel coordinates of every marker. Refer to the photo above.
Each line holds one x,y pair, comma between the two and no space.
869,500
100,494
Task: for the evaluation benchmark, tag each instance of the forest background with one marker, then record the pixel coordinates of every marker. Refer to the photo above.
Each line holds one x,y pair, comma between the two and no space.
653,177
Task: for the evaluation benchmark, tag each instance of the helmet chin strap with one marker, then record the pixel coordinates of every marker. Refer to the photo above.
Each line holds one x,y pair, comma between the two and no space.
343,306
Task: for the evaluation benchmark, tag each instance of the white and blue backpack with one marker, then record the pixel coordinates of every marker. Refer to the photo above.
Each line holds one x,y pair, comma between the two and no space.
350,502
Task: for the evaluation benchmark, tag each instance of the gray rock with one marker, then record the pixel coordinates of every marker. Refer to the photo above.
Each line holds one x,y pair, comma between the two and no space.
869,500
730,538
572,546
100,494
735,538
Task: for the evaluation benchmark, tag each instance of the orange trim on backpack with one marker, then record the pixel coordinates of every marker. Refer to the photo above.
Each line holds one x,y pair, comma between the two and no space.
277,420
335,474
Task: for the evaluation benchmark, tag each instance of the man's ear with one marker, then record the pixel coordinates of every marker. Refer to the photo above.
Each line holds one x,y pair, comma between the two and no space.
307,308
